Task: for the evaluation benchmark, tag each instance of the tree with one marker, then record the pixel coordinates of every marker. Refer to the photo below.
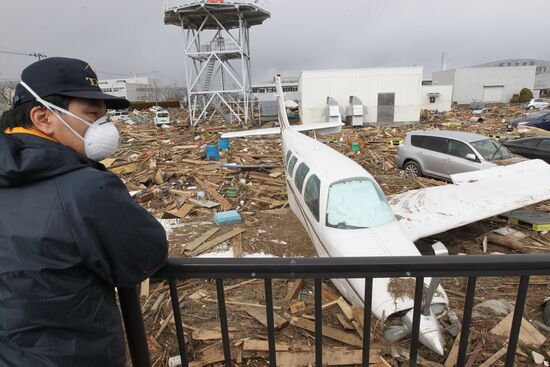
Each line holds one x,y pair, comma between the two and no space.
525,95
7,89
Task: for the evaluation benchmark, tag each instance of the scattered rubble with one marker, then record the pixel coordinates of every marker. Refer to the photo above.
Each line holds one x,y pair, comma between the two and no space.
166,171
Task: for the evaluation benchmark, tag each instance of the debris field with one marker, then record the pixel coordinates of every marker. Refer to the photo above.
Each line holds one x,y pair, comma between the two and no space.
166,172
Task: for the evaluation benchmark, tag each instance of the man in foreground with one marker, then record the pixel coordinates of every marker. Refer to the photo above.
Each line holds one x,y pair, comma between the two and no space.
69,231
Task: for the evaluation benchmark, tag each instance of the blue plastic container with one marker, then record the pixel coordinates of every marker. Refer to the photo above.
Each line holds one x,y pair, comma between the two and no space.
230,217
224,144
212,153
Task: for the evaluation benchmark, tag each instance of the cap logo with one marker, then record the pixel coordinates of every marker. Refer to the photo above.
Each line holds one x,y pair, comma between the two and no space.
93,81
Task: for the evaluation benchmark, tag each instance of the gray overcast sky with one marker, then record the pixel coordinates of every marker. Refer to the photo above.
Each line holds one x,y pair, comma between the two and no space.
124,36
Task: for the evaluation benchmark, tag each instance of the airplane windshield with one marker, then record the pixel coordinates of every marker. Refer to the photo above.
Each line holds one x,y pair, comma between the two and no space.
357,204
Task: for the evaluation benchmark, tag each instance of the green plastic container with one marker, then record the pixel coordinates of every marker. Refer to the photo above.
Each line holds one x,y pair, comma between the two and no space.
355,146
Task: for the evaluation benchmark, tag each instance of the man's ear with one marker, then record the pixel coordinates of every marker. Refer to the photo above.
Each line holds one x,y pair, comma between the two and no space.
41,119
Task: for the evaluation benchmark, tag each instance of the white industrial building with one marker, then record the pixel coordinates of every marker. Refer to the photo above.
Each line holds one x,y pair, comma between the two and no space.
437,98
388,95
133,89
495,84
266,96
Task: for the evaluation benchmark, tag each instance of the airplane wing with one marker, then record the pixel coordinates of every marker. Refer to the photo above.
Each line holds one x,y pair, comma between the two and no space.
322,128
473,196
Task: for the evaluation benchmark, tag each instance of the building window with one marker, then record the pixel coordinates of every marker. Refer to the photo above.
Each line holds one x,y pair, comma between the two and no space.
532,63
432,99
509,64
525,63
501,64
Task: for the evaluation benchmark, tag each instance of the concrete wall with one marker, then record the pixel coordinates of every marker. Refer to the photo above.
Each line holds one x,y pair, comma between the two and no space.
316,86
469,83
443,102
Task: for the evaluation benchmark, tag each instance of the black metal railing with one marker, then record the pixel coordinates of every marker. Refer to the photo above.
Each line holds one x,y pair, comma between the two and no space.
418,267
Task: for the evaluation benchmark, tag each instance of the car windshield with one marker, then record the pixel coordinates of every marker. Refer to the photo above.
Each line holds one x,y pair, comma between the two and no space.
164,114
356,204
490,149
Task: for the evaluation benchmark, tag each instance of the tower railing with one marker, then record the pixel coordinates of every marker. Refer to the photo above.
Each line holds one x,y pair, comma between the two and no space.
176,4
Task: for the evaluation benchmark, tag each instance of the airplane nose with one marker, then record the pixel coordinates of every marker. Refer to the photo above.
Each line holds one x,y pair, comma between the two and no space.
430,332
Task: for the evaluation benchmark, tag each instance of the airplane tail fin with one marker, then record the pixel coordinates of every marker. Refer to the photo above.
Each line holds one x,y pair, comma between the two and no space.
281,109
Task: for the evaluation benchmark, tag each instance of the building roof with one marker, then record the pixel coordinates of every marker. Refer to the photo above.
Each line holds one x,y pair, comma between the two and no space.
520,62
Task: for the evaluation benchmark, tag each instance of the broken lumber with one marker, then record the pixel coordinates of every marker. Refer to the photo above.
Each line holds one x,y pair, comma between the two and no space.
226,205
199,241
528,334
331,357
214,242
505,242
495,357
263,346
296,287
328,331
261,316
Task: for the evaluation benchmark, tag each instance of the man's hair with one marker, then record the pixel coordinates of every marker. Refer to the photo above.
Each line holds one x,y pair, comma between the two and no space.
19,116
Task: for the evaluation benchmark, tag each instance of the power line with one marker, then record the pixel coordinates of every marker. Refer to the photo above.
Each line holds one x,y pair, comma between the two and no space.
38,55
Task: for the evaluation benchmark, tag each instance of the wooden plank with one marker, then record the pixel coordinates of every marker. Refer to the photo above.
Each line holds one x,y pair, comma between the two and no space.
528,334
421,361
359,314
250,281
213,334
261,316
237,246
345,323
183,211
296,287
124,168
328,331
297,307
329,305
226,205
263,346
453,354
144,289
346,309
199,241
331,357
495,357
216,241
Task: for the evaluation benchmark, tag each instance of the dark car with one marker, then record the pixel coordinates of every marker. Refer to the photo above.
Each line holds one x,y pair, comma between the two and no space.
536,147
536,119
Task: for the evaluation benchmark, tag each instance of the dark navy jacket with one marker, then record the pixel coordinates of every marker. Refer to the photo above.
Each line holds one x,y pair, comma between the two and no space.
69,233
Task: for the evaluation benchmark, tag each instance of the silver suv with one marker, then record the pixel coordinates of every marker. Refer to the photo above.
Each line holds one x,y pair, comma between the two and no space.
443,153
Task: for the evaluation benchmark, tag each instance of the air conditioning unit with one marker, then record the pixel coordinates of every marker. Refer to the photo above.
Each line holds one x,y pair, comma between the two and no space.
355,111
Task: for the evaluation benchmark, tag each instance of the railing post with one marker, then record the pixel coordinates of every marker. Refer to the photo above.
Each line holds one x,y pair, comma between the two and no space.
135,329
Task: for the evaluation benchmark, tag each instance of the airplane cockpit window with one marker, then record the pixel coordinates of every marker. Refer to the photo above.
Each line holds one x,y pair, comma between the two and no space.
357,204
291,165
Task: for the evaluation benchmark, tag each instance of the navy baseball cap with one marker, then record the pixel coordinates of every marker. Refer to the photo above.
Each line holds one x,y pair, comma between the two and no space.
65,77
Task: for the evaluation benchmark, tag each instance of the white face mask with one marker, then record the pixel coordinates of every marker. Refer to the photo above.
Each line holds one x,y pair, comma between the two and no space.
101,138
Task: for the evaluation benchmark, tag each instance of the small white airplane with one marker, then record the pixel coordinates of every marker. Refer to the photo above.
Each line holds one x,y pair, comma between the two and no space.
346,214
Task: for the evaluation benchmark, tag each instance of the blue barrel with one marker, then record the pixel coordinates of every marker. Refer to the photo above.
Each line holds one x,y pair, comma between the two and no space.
212,153
224,144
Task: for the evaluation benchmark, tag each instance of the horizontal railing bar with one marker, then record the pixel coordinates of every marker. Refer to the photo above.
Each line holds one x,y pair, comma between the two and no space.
356,267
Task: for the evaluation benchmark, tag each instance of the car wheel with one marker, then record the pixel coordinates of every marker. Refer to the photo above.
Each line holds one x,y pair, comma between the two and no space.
412,169
531,107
